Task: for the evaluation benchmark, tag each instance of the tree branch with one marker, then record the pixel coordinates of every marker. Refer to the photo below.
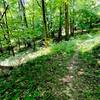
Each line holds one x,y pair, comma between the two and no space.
38,3
4,12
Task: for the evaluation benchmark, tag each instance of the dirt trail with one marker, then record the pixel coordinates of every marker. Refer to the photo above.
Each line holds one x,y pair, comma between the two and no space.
73,65
23,58
70,77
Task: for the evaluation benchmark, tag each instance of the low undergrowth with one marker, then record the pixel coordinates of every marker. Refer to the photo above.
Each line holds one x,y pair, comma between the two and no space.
38,79
88,75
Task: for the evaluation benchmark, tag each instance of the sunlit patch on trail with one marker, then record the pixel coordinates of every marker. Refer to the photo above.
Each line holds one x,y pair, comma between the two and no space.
20,59
89,44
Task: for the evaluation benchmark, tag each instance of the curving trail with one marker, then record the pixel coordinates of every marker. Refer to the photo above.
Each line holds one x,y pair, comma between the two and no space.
73,65
83,45
69,79
23,58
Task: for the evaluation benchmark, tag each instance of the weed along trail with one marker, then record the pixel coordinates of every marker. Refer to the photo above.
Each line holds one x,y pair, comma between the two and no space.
68,70
70,77
75,69
27,55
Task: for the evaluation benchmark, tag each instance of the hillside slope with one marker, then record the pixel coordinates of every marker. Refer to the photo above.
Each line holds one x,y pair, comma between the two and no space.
70,72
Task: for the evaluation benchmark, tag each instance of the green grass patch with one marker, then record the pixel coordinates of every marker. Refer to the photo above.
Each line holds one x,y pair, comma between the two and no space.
87,85
39,78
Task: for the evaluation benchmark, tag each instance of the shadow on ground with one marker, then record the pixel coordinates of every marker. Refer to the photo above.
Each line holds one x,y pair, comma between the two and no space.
87,75
38,79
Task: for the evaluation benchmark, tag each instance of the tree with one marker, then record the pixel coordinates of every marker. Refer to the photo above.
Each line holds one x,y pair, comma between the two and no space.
22,7
44,21
72,15
66,3
60,24
9,47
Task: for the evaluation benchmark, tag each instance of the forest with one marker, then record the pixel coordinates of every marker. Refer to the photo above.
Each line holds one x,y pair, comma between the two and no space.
49,49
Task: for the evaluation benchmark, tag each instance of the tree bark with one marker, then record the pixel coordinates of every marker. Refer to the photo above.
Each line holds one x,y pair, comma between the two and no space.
66,21
45,23
72,24
60,26
7,30
24,13
33,15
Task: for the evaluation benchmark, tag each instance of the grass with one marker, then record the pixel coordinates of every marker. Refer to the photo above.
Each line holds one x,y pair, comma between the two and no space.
39,79
87,85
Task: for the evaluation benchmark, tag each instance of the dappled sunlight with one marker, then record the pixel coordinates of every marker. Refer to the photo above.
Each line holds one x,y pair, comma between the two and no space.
49,49
89,44
23,58
75,68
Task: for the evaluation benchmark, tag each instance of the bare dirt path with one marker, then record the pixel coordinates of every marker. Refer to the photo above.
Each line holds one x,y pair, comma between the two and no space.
23,58
69,78
73,65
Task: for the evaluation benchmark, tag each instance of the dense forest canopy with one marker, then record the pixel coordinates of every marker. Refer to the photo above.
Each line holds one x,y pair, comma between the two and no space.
23,20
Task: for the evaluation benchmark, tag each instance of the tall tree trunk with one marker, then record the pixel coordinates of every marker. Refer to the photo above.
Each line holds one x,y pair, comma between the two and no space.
20,14
33,15
60,26
44,19
72,23
66,21
7,30
24,13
